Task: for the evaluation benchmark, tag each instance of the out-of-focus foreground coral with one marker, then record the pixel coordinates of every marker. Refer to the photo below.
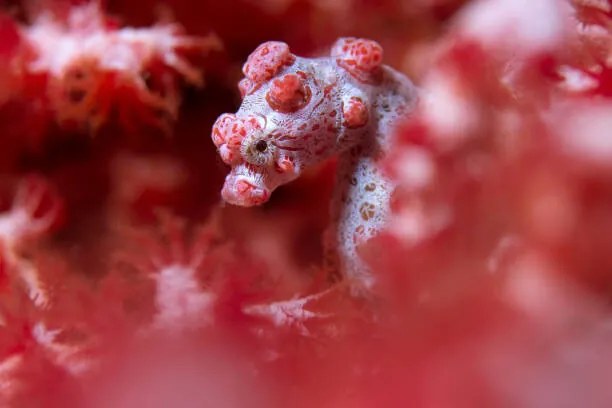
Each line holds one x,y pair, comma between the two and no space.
125,282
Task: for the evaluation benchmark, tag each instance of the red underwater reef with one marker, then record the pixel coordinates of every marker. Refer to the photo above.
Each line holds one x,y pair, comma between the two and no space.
126,281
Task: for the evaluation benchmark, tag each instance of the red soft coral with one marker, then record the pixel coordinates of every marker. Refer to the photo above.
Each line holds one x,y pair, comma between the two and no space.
93,69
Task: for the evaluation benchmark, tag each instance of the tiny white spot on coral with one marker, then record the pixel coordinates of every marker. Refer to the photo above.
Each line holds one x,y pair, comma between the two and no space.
576,80
288,313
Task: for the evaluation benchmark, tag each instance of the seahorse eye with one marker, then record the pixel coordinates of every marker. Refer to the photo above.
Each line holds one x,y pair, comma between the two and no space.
261,146
256,150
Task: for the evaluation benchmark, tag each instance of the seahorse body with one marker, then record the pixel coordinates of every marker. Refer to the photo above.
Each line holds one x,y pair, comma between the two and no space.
297,112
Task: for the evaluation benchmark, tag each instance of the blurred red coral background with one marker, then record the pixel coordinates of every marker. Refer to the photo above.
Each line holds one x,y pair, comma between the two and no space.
125,281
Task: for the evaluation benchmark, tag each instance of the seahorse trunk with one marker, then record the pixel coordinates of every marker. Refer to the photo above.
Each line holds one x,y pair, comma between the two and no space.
359,209
360,205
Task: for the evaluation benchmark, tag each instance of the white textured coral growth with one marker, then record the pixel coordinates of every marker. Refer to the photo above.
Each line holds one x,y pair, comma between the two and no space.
289,313
180,301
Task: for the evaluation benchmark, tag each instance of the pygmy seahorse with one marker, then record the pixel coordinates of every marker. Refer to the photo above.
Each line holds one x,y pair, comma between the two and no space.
297,112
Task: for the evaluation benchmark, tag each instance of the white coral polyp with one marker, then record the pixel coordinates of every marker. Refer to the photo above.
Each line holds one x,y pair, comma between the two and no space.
180,302
86,34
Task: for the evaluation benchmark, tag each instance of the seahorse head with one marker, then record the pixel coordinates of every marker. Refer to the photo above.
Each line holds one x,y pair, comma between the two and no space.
289,120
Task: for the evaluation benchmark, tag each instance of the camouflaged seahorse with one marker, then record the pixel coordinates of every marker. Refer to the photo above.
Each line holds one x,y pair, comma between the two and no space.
297,112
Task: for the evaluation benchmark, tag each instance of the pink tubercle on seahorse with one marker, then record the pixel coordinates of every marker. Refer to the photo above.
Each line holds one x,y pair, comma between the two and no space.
297,112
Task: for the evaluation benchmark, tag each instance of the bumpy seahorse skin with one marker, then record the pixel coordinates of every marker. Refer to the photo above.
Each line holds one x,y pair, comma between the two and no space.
297,112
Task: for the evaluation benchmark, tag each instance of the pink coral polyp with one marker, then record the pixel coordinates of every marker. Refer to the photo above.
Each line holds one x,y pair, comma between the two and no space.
267,60
361,57
355,113
288,93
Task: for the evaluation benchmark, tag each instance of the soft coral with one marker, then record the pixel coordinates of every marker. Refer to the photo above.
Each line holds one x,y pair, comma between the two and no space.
92,68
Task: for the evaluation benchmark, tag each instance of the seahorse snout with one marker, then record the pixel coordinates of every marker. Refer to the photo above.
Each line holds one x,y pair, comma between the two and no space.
243,191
